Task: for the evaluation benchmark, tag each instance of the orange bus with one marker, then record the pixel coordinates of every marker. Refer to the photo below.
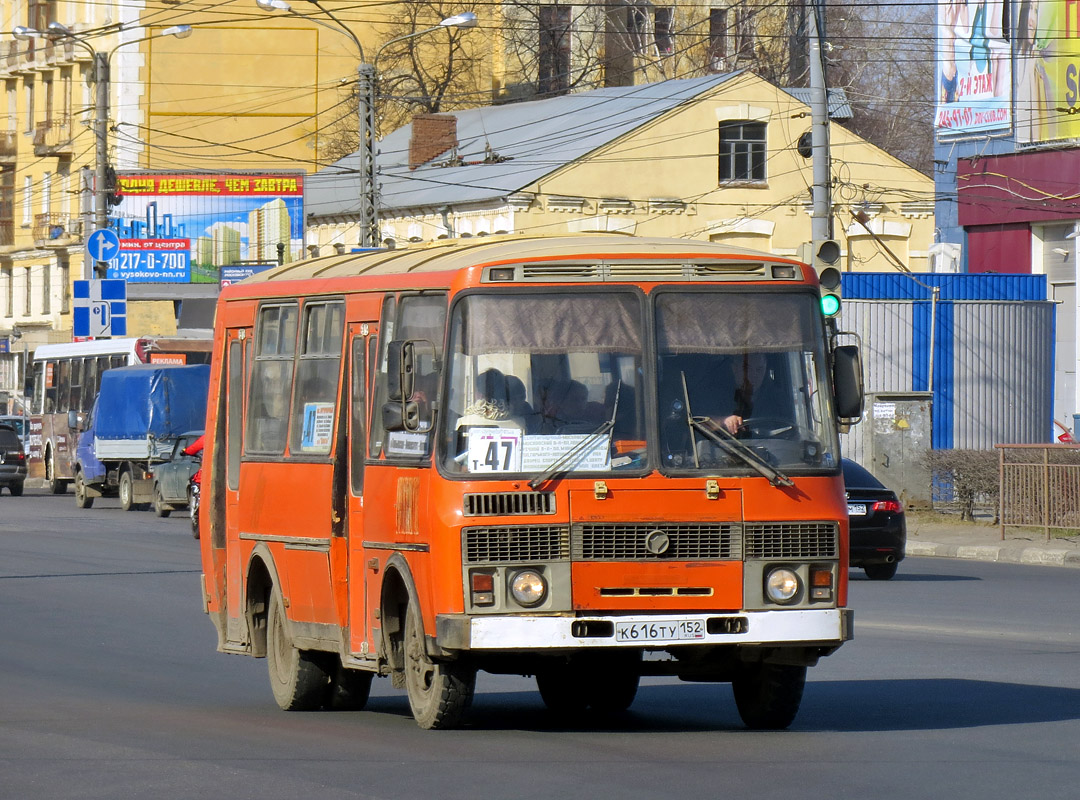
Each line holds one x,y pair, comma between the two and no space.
585,459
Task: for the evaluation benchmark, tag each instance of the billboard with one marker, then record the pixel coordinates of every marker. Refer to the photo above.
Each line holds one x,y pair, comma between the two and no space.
974,73
188,227
1047,66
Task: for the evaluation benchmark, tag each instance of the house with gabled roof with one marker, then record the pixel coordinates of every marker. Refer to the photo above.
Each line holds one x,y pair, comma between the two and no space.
720,158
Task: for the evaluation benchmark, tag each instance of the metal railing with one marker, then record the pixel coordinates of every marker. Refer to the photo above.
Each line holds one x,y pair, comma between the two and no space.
1040,486
56,228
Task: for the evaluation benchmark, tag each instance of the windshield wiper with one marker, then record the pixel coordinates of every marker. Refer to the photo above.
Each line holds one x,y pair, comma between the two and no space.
729,443
584,446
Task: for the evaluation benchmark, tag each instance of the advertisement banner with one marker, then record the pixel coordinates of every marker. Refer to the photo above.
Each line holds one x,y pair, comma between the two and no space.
1047,65
189,227
974,74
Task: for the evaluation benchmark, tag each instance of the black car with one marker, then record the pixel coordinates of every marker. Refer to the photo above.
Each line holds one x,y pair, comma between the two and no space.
876,523
12,461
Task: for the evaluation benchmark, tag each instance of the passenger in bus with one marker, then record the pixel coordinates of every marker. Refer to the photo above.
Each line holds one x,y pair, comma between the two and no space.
566,409
519,405
491,402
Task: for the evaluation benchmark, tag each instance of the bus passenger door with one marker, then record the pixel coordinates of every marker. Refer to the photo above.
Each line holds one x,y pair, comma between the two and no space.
237,351
361,348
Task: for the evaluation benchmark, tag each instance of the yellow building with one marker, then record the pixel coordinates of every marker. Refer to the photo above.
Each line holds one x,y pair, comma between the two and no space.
712,158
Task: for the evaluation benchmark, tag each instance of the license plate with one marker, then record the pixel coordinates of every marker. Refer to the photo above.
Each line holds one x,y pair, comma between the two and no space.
856,509
667,631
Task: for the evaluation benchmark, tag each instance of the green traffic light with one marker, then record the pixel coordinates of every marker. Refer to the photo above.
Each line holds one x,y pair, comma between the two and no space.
830,305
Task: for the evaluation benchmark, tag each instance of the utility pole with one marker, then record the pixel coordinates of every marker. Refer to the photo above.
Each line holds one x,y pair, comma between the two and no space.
821,219
101,152
369,188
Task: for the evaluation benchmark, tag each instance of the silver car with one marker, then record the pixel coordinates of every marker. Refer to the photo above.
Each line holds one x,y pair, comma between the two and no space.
171,477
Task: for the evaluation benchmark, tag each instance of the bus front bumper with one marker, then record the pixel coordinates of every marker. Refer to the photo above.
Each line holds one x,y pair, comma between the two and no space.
803,627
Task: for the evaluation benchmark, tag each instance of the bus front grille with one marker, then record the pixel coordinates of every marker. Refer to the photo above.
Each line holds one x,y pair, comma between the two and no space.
517,543
653,541
791,540
508,504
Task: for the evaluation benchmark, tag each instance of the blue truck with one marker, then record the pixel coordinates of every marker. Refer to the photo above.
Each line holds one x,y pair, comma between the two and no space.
139,413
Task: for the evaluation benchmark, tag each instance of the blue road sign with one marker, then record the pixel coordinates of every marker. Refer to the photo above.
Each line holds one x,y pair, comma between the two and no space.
102,245
99,308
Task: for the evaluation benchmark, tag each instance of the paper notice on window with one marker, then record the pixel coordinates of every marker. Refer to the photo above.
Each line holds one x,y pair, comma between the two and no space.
318,429
539,452
494,450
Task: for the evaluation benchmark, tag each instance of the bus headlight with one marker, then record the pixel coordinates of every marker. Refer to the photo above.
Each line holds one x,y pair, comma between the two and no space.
782,585
528,587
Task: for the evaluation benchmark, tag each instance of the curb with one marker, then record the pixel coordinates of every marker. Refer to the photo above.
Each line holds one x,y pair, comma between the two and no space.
1042,556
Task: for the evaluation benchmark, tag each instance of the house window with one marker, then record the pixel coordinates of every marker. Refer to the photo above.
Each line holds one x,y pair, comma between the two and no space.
30,106
65,287
46,289
553,71
718,39
9,292
742,151
27,296
46,193
744,32
663,16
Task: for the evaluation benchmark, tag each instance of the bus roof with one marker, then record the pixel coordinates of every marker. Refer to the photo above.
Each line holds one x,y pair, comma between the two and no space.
458,254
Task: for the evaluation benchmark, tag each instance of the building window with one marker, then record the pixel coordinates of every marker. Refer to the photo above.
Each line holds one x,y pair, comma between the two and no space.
46,193
9,292
27,295
27,200
742,151
46,289
718,39
30,106
744,32
7,205
553,71
65,287
663,17
637,24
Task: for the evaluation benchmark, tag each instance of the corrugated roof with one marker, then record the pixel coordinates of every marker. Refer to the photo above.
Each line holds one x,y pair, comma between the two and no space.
536,138
839,107
966,286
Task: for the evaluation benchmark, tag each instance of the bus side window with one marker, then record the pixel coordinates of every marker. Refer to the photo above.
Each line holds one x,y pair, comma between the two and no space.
38,401
376,433
317,372
61,385
271,380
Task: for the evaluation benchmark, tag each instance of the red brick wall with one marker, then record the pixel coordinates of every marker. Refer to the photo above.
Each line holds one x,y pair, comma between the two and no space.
432,135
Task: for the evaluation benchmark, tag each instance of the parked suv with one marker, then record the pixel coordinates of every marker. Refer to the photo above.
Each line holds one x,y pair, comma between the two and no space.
12,461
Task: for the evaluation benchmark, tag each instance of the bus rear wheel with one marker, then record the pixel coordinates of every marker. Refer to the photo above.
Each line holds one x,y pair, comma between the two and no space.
768,695
56,486
439,692
298,680
82,497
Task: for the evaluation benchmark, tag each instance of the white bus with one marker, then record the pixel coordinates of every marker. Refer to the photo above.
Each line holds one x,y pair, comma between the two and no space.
66,378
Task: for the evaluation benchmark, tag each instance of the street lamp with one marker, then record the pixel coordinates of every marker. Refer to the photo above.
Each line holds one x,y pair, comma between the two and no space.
57,30
366,79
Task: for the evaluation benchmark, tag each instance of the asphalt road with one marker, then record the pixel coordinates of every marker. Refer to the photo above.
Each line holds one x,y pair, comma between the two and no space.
963,682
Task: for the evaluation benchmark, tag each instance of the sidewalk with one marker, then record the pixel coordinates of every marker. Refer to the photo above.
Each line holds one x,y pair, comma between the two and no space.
945,536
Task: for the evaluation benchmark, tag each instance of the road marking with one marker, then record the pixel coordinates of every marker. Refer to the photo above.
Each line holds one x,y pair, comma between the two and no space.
1039,637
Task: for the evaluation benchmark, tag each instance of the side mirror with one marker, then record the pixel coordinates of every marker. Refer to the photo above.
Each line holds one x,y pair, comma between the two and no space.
401,415
73,421
400,370
848,381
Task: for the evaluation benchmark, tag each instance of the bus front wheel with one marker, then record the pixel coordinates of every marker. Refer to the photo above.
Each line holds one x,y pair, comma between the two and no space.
298,680
768,695
439,692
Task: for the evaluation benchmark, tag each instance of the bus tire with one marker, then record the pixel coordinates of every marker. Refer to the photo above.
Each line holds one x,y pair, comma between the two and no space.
82,497
349,689
161,508
768,695
298,680
127,491
613,688
439,692
56,486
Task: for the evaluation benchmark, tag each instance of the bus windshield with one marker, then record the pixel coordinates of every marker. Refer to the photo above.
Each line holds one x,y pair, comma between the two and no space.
741,380
542,379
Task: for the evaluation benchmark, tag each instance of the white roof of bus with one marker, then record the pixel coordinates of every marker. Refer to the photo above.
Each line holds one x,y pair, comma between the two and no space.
96,347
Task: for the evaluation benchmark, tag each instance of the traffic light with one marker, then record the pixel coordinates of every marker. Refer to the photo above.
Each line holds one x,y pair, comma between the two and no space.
825,255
